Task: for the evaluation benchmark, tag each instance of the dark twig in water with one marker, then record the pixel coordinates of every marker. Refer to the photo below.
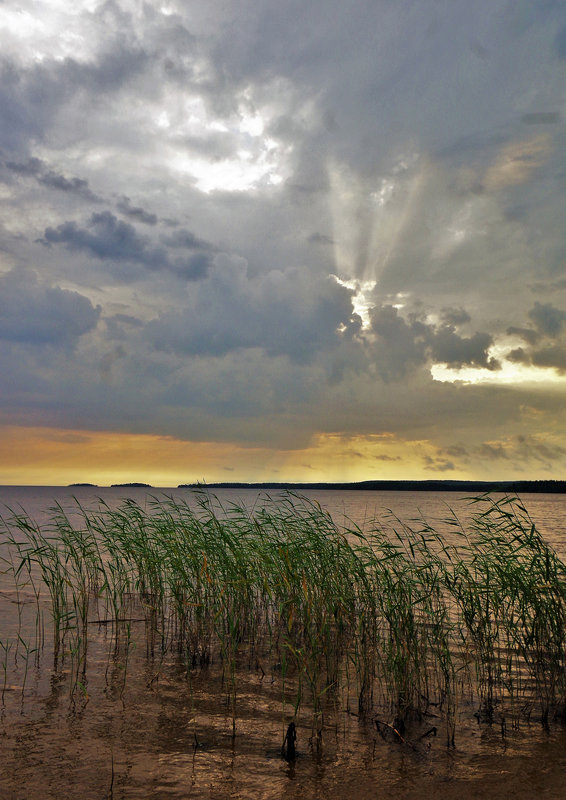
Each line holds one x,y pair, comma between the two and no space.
431,732
290,738
379,723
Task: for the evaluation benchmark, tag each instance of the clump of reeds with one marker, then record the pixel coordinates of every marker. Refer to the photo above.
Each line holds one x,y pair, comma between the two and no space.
400,617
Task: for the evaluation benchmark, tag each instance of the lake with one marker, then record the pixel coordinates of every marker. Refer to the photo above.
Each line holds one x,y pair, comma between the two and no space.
123,718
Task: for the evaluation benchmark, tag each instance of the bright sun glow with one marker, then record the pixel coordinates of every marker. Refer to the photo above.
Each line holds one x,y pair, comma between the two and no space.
509,374
363,298
51,30
239,174
249,158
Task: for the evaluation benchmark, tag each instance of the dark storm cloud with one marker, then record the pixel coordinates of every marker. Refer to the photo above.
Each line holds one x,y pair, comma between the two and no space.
283,313
107,238
406,344
36,313
449,348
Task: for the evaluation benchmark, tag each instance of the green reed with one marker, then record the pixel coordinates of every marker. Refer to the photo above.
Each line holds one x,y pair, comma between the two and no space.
399,618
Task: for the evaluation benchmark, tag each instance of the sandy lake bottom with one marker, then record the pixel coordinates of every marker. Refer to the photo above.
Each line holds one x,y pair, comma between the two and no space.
166,741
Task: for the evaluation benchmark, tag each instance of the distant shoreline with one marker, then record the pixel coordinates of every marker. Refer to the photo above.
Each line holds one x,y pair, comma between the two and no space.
542,486
465,486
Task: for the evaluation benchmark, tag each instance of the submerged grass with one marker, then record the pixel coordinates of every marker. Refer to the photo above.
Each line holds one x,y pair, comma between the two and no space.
395,619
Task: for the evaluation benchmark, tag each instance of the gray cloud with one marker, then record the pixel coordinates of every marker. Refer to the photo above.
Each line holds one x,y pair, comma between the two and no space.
560,43
549,322
406,344
522,449
492,451
32,96
38,169
528,334
401,345
54,180
284,313
550,357
519,356
32,166
107,238
319,238
438,464
36,313
548,319
241,162
542,118
449,348
455,316
125,207
185,239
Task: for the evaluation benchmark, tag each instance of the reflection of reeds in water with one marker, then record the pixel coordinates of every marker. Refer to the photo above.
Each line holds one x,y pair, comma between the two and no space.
402,618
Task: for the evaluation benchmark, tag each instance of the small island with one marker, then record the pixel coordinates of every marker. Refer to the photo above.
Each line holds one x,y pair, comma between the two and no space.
131,486
83,485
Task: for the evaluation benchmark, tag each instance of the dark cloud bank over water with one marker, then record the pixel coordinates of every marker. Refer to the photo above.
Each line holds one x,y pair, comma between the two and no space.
265,224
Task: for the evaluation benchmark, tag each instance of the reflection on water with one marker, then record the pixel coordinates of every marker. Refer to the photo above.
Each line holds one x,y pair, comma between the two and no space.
163,733
142,746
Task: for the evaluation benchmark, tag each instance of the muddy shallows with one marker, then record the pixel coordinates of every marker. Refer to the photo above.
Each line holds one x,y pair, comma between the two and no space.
178,650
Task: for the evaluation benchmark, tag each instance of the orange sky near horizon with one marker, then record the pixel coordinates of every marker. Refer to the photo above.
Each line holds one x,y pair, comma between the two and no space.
51,457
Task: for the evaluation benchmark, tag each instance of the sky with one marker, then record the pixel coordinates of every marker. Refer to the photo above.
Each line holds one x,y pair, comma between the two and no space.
282,241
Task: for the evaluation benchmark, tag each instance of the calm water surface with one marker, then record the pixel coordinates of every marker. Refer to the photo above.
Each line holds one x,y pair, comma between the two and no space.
135,738
362,507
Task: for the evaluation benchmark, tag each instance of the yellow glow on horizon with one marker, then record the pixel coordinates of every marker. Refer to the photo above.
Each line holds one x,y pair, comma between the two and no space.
51,457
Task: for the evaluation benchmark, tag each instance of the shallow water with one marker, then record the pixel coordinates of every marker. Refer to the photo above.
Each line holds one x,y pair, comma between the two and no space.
127,725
